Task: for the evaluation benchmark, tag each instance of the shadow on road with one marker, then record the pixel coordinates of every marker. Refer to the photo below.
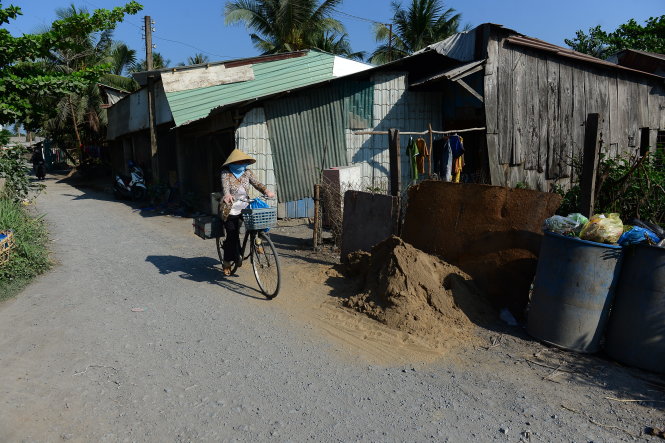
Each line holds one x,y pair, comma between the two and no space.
298,249
202,270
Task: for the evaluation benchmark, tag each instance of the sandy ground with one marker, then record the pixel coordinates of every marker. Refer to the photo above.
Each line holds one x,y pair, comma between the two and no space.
210,359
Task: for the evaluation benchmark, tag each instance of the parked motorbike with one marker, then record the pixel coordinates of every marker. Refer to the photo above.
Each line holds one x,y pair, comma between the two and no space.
132,187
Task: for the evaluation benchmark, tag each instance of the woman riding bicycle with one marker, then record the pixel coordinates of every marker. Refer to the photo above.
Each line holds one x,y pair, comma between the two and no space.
236,179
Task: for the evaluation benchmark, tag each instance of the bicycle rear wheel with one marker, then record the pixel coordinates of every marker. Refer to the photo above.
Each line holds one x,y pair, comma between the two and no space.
265,263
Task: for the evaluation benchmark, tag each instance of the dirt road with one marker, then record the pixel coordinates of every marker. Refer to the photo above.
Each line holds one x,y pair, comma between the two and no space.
211,360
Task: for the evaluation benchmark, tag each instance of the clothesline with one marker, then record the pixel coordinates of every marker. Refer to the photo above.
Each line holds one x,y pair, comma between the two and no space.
452,131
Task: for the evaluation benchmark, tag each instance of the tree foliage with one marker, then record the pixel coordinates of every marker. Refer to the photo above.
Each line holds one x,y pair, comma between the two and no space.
291,25
198,59
424,22
649,37
27,80
632,186
158,62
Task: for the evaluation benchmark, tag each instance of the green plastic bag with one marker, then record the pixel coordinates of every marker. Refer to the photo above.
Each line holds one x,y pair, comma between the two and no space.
603,228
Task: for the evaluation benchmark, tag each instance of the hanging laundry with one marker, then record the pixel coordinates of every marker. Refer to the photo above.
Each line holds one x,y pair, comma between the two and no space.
423,154
442,159
412,154
457,149
458,164
456,145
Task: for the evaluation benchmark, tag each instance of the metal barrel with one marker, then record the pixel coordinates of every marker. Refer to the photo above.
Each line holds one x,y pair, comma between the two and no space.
573,290
636,330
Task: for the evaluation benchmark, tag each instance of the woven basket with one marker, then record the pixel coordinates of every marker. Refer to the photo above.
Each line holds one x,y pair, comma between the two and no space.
6,245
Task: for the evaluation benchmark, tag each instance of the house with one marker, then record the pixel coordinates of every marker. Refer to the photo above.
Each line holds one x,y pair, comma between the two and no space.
640,60
297,113
201,110
533,99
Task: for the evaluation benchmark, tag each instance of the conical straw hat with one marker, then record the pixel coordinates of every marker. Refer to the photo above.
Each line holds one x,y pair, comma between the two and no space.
238,156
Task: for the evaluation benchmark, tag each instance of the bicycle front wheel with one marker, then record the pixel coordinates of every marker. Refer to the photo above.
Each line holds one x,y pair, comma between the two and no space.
265,263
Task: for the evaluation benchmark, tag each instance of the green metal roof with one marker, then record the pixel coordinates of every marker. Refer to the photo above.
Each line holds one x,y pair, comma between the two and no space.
270,77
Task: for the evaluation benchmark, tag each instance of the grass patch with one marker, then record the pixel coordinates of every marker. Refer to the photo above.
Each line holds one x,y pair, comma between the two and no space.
11,288
29,257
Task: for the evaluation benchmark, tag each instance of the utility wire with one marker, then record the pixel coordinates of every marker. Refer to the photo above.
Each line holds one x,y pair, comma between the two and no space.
357,18
156,37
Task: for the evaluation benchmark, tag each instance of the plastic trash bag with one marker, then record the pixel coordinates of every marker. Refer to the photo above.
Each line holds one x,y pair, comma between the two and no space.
561,225
579,218
653,227
257,203
637,235
603,228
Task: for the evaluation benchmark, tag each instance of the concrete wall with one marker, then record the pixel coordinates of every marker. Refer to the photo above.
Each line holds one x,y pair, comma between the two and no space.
368,220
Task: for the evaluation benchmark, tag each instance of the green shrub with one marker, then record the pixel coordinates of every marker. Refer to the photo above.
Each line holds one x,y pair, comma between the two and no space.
29,257
626,185
13,169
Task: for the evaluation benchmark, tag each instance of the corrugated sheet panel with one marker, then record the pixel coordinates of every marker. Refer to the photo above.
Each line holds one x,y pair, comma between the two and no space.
394,107
358,102
252,138
302,127
300,209
460,46
269,78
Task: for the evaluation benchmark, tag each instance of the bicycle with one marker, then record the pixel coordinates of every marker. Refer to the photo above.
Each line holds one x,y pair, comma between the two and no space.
262,253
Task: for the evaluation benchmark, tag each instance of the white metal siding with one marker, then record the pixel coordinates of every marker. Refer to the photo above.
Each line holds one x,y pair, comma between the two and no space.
252,138
394,107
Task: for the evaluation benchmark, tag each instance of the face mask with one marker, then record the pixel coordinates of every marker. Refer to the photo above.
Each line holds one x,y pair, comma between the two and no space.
237,170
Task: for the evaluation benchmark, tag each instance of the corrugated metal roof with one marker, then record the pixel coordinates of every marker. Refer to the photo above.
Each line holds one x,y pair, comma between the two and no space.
453,73
302,127
460,46
269,78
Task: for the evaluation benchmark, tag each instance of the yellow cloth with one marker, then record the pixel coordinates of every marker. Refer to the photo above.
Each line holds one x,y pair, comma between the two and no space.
458,164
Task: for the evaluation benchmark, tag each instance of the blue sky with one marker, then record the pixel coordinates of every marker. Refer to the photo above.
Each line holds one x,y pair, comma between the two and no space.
183,28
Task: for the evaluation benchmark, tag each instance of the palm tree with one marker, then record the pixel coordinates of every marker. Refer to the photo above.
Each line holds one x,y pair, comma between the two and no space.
121,58
158,62
79,117
290,25
198,59
423,23
336,43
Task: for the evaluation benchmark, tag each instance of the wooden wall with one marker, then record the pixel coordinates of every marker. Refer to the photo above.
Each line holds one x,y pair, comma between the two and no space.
536,105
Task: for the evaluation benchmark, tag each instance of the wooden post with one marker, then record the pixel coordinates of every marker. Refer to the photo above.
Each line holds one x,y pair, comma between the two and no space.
431,144
589,165
395,166
317,216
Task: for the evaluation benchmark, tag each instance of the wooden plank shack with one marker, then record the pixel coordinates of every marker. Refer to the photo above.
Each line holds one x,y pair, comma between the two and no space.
537,97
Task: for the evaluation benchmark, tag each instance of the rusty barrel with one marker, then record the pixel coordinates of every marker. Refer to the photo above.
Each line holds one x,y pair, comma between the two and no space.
636,330
573,291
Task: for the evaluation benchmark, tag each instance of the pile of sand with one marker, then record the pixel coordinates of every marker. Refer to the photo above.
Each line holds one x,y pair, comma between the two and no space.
412,291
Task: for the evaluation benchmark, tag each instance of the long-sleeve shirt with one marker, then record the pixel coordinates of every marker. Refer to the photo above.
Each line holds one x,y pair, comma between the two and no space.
239,189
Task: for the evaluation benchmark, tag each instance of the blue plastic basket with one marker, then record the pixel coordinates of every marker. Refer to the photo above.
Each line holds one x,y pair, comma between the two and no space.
259,218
